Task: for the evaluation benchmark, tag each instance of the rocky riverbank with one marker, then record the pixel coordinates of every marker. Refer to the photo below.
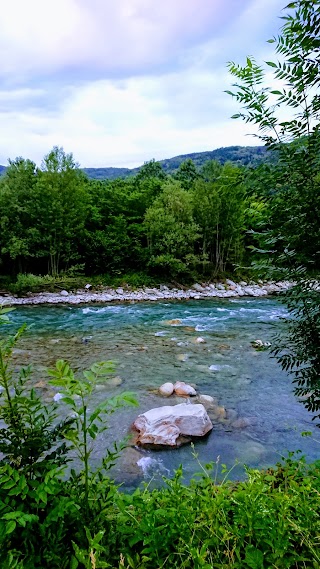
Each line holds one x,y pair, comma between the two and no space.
227,289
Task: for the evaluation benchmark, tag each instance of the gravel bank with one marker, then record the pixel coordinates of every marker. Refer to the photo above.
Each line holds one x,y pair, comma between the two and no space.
229,289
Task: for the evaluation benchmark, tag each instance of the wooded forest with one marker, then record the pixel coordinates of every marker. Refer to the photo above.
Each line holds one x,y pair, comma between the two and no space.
197,222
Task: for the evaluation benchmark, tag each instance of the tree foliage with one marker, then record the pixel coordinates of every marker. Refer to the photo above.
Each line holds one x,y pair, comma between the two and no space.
288,121
55,218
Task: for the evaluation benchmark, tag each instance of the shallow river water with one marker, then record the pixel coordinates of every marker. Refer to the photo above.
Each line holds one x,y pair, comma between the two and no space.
260,419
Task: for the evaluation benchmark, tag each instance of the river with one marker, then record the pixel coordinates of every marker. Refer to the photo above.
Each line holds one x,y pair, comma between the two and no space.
262,419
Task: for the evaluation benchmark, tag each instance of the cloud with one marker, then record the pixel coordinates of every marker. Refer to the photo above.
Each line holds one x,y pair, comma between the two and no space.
127,123
118,83
104,36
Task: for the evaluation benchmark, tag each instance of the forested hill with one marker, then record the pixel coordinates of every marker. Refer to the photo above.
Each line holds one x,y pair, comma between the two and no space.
246,155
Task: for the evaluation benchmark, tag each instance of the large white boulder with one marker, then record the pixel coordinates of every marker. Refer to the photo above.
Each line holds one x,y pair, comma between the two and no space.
166,425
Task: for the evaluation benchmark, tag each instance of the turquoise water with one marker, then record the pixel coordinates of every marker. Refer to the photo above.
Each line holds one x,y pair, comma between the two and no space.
260,419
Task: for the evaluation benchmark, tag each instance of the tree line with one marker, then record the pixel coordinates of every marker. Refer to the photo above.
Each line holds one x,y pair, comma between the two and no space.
197,222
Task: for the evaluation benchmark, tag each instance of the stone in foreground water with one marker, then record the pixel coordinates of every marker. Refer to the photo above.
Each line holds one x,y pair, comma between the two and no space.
167,426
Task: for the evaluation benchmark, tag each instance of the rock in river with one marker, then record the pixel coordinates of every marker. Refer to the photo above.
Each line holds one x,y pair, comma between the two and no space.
182,388
166,389
168,425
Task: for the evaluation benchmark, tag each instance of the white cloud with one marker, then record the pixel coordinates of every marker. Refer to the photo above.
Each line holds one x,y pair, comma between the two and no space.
106,35
128,110
125,124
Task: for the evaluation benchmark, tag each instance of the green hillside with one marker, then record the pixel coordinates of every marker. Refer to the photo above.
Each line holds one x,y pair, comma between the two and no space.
245,155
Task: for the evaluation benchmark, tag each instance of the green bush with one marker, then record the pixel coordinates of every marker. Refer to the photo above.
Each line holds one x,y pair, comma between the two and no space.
43,514
270,520
38,283
133,280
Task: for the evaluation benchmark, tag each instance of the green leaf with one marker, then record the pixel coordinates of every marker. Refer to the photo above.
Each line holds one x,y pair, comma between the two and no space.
74,563
254,557
5,310
68,401
8,485
271,64
80,554
10,527
97,538
12,515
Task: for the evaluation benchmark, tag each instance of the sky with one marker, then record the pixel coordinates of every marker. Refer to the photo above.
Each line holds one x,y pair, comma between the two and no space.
119,82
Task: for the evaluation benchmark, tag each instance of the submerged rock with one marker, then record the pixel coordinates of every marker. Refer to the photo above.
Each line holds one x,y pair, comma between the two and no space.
167,426
41,384
199,340
218,413
57,397
260,345
241,423
174,322
207,401
182,357
110,383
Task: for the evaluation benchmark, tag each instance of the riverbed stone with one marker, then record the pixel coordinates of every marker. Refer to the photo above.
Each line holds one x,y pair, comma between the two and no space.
207,401
182,357
112,382
199,340
218,412
182,388
166,389
198,287
167,426
150,294
173,322
241,423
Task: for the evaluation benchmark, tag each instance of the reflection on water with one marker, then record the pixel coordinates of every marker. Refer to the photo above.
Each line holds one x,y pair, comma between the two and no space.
156,343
